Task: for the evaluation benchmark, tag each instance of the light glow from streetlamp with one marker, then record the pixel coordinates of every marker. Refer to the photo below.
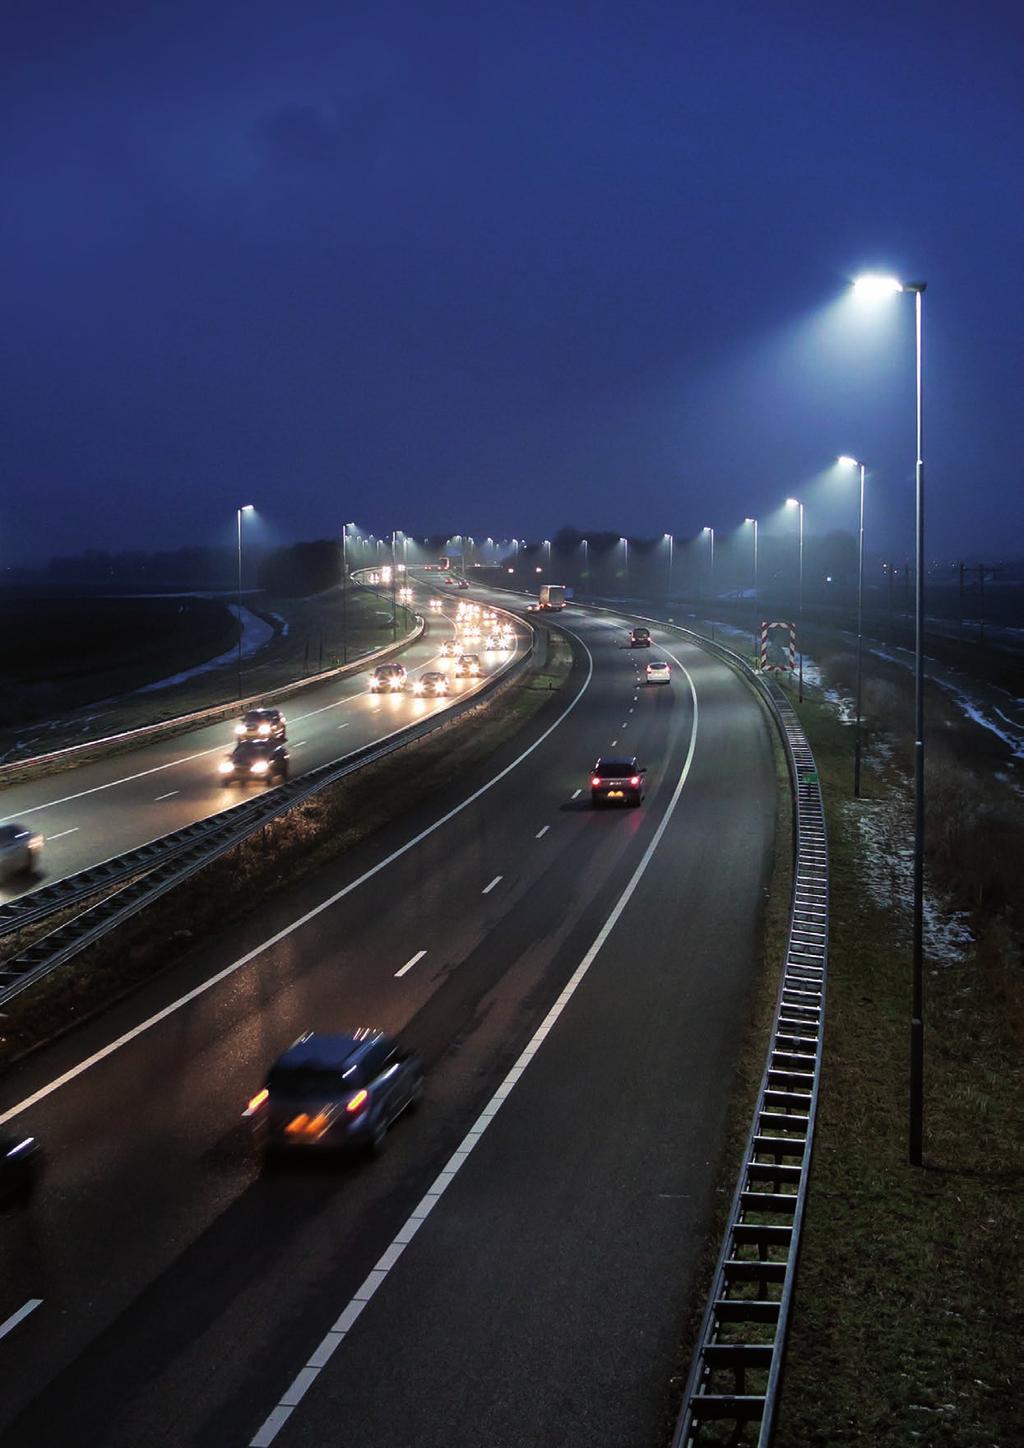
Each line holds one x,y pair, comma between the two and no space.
873,287
848,461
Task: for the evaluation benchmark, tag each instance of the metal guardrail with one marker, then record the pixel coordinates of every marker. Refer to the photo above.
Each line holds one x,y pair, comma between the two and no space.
213,712
148,873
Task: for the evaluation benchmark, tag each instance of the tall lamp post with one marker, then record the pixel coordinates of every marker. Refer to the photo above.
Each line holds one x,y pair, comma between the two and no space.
248,508
854,463
625,562
875,287
394,586
711,576
671,550
795,503
344,590
753,521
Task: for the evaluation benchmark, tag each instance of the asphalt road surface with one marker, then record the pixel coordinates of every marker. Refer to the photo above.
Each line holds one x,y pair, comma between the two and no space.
529,1236
108,806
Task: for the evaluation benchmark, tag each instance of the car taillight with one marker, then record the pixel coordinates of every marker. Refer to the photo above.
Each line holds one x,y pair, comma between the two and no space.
635,780
357,1103
257,1101
595,781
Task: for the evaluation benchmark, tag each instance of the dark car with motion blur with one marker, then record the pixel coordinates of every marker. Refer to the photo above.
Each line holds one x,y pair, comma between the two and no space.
618,780
335,1093
21,850
20,1164
467,666
262,760
261,724
639,638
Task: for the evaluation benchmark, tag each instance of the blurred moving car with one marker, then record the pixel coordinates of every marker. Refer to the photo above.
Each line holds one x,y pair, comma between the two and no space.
436,605
335,1093
619,778
639,638
21,850
262,759
261,724
467,666
405,593
658,672
388,678
20,1163
431,682
462,583
449,649
492,642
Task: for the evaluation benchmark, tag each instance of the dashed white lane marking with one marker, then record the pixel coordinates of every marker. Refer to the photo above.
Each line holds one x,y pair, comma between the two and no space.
333,1339
410,963
614,742
20,1315
126,779
299,743
72,831
576,795
542,832
108,1050
488,888
169,795
345,725
624,725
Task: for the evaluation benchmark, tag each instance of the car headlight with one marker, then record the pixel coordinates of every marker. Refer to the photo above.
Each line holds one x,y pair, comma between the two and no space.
374,684
264,729
35,843
259,766
226,766
239,728
418,687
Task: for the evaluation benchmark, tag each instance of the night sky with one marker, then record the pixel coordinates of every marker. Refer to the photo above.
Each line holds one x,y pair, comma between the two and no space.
497,269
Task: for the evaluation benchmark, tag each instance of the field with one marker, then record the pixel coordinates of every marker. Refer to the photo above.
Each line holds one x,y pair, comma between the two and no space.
71,668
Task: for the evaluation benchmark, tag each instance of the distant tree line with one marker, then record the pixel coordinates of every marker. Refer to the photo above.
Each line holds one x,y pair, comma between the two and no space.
302,568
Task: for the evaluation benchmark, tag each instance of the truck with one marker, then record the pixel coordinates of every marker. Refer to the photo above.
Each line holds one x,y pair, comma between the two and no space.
552,595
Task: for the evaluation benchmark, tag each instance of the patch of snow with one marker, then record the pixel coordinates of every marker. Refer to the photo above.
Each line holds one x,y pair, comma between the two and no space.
887,867
256,633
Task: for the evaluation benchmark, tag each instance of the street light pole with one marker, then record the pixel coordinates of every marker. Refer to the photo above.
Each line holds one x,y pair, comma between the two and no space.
394,587
860,627
754,522
795,503
248,508
711,579
878,287
344,590
671,541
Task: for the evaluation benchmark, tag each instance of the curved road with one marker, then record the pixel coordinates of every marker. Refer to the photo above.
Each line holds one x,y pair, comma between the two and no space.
108,806
183,1298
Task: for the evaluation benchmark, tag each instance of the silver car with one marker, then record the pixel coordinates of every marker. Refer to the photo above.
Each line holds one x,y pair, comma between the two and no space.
20,849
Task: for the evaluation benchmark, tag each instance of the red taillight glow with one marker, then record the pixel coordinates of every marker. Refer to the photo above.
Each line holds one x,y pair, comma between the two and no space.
258,1100
357,1103
595,781
635,780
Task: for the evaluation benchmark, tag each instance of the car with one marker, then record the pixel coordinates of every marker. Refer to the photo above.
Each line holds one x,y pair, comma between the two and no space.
467,666
335,1093
449,649
462,583
617,778
263,759
20,850
533,608
436,605
492,642
405,592
432,682
489,616
470,633
21,1160
639,638
388,679
261,724
658,672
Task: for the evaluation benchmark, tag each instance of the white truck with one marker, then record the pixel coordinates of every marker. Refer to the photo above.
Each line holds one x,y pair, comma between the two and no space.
552,595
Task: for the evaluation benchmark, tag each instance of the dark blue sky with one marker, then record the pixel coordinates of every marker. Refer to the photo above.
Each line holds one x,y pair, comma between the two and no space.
503,268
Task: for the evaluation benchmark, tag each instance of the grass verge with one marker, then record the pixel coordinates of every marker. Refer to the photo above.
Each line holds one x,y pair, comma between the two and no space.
908,1309
309,838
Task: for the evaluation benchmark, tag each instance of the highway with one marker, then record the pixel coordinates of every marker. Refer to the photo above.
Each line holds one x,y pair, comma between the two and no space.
106,807
577,984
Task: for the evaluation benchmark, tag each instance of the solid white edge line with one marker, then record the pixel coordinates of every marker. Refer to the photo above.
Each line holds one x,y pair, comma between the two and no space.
488,888
72,831
542,832
20,1315
410,963
332,1339
287,930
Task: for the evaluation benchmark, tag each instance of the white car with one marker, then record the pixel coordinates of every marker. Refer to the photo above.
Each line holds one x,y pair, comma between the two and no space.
20,849
658,672
436,605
